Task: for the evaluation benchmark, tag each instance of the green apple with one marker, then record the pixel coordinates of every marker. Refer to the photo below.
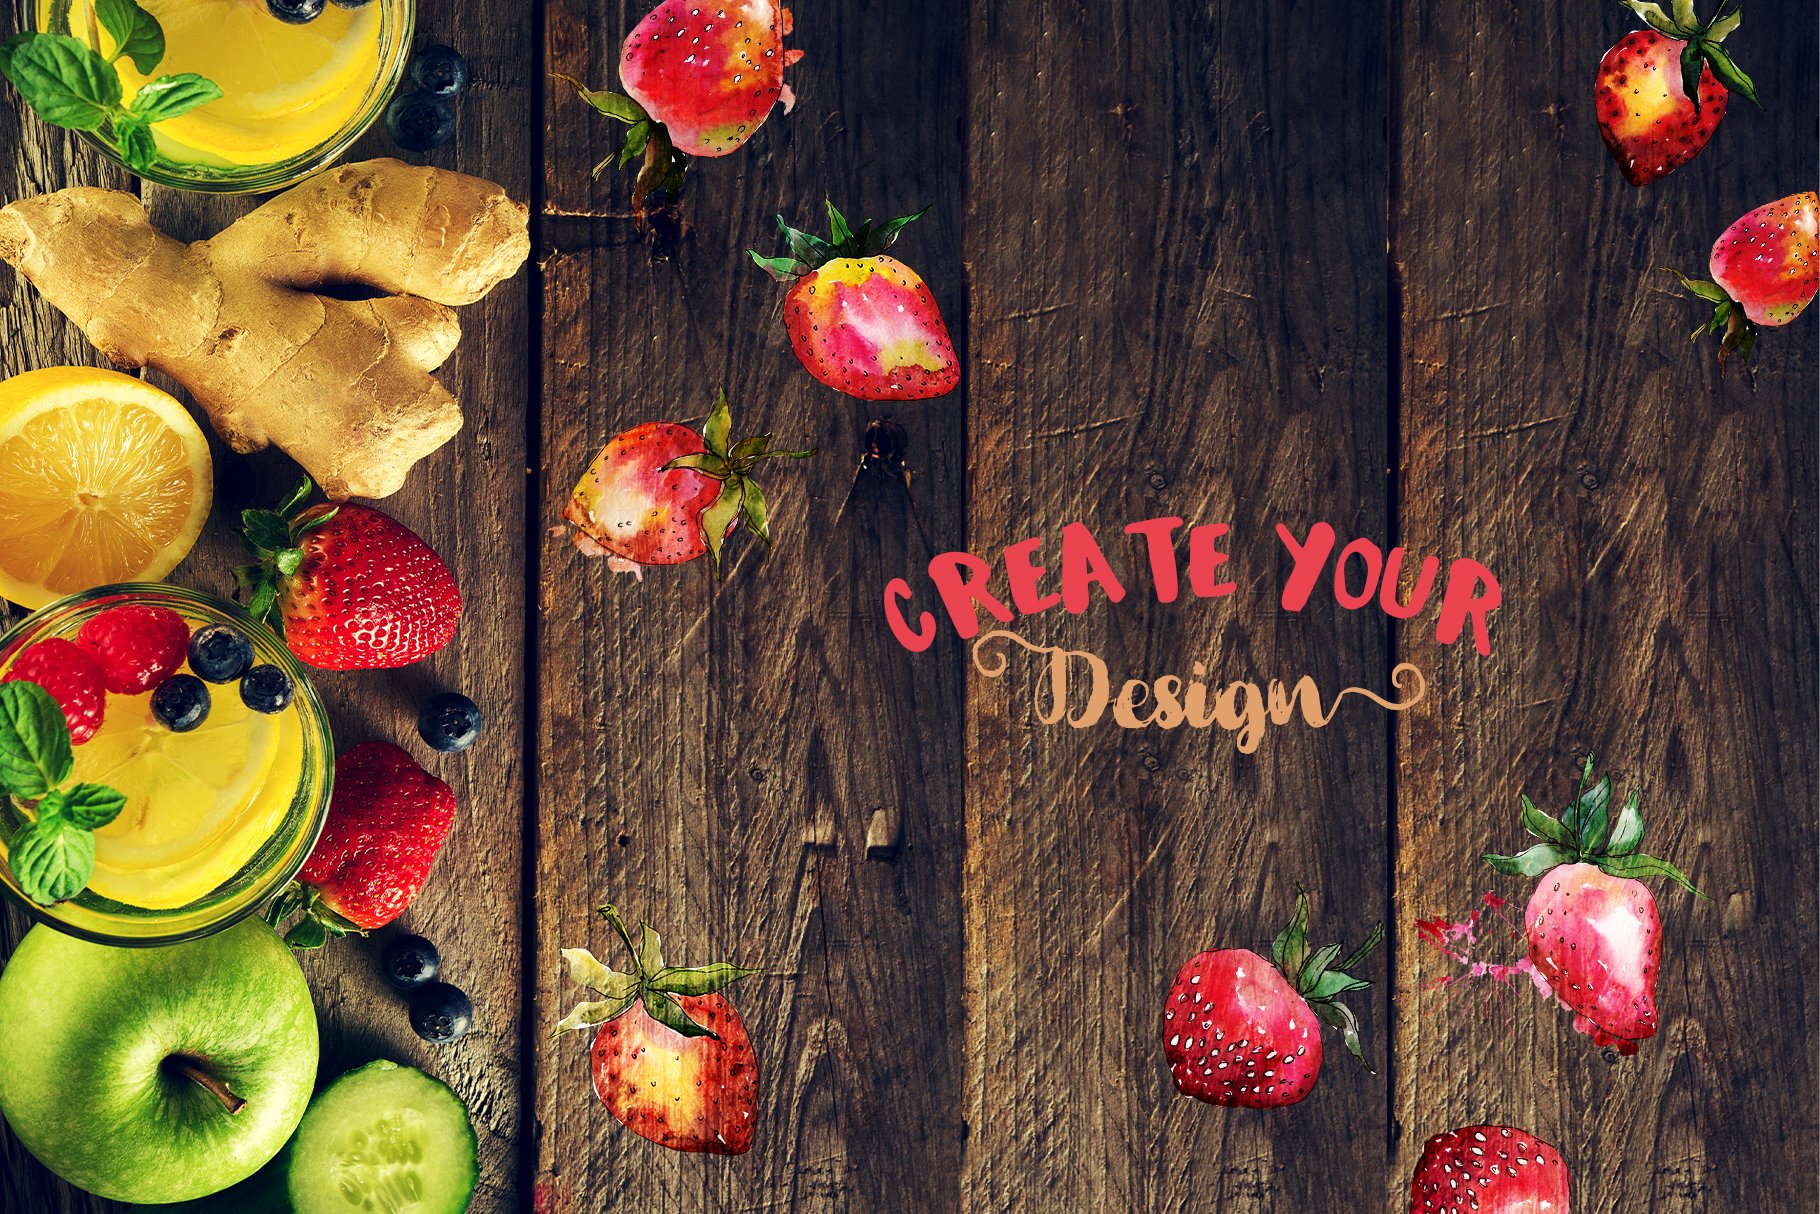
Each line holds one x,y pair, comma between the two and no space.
155,1074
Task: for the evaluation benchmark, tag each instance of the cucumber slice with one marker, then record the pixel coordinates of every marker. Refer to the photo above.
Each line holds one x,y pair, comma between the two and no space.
384,1139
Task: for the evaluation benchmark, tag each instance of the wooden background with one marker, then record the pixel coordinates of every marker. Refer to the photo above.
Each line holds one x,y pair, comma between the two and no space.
1236,262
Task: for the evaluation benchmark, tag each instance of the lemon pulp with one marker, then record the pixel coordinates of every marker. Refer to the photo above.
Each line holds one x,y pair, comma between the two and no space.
286,89
199,805
103,478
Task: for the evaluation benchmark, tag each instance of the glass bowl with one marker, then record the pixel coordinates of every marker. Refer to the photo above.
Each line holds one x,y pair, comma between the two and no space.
273,864
397,23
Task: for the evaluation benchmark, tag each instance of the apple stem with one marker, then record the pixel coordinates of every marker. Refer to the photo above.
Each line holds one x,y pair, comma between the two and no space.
193,1070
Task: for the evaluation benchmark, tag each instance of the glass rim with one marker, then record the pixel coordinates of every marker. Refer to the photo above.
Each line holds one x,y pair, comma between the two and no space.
282,174
317,737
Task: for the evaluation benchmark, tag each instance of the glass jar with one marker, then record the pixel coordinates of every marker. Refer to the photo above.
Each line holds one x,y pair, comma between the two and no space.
344,105
295,825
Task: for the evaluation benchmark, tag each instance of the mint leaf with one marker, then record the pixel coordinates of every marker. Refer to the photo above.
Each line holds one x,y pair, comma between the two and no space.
89,806
52,860
68,84
136,33
137,147
35,753
173,96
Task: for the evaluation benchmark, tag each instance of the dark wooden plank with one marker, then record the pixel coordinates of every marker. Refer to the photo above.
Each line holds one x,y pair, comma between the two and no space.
468,501
1653,528
712,753
1177,309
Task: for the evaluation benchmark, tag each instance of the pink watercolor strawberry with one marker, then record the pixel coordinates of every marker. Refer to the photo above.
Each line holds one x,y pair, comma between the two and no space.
1593,930
1240,1030
700,79
1489,1169
1661,92
861,322
671,1057
662,494
1765,268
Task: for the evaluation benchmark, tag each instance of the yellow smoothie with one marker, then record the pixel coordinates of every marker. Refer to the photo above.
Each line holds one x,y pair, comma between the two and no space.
287,89
199,805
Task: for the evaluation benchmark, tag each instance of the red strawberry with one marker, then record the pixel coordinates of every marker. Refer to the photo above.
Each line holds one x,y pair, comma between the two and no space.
387,820
1765,268
671,1058
861,322
355,589
700,79
661,494
1661,92
1489,1169
1238,1029
69,674
1594,934
136,646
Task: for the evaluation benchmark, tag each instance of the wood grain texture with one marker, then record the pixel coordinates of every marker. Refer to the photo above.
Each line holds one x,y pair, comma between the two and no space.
1178,308
1654,529
714,750
1159,234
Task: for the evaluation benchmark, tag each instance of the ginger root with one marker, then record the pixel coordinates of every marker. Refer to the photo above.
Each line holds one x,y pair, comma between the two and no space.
343,386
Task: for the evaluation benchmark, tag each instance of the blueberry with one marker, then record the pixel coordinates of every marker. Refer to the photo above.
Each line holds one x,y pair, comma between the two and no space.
219,654
295,12
409,962
181,702
449,722
439,70
266,689
441,1013
419,122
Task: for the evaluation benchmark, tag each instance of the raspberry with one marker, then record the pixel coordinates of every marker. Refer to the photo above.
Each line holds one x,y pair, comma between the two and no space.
135,647
70,675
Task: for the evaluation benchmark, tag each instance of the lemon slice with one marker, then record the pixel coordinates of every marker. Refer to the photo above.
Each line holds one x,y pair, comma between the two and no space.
103,478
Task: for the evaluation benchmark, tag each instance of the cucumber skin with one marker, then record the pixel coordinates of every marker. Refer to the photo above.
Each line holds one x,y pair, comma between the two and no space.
295,1204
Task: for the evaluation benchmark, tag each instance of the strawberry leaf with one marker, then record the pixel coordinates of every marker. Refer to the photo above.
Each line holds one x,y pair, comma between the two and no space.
667,1012
1653,15
750,448
784,269
617,106
1542,825
1333,983
717,431
1290,950
1363,951
1627,831
593,1015
583,968
309,933
838,231
1340,1017
719,516
1316,967
1531,863
701,980
1693,59
1637,867
752,509
1595,817
1729,73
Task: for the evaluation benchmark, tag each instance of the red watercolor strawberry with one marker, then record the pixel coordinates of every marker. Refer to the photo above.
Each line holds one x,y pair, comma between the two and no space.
1240,1030
1765,269
387,819
661,494
861,322
66,671
1593,930
354,589
671,1057
135,646
1489,1169
1661,92
700,79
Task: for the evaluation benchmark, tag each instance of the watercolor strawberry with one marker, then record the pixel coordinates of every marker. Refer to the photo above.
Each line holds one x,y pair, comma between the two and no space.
1661,92
662,494
387,820
1489,1169
353,589
699,79
861,322
671,1057
1240,1030
1593,930
1765,269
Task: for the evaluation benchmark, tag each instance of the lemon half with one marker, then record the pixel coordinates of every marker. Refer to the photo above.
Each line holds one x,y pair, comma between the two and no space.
103,478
